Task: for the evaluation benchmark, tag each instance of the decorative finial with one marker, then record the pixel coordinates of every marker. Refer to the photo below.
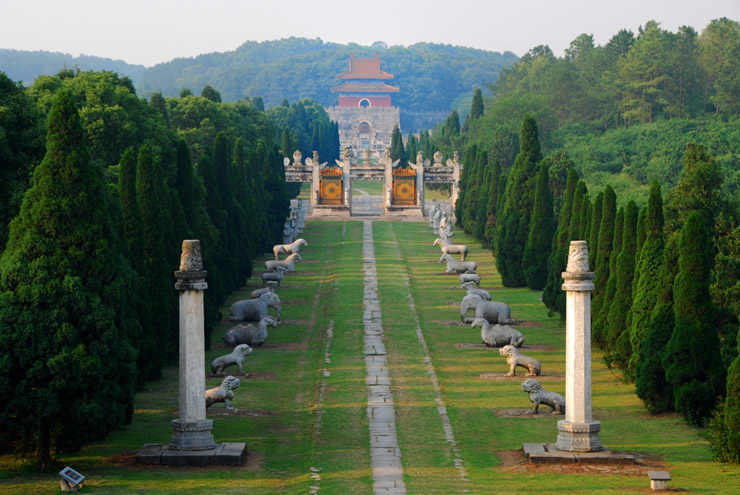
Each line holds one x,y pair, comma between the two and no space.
191,259
578,257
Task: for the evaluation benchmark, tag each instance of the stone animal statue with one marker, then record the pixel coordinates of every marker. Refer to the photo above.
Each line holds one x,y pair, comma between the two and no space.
493,311
255,309
514,359
271,284
288,264
291,248
470,286
460,249
237,357
538,396
498,335
455,266
223,393
277,276
249,334
469,277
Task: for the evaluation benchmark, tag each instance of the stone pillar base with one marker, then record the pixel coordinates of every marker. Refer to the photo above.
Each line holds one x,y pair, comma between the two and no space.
194,435
579,437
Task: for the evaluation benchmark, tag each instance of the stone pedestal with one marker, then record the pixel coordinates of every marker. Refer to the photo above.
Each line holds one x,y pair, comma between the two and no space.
194,435
578,432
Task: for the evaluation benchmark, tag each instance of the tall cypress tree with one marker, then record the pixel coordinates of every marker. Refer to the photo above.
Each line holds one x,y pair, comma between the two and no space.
155,266
650,261
618,343
67,371
397,149
481,214
601,327
476,107
606,242
492,197
651,385
540,233
518,206
468,171
593,237
286,144
692,361
556,262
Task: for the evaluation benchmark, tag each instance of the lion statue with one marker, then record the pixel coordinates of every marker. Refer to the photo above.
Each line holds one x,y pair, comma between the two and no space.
223,393
514,359
238,357
538,396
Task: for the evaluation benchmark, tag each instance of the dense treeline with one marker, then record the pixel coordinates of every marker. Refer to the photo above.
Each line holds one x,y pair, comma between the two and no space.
433,78
666,304
91,235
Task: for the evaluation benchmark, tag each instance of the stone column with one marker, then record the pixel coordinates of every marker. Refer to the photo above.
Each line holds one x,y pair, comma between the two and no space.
192,431
578,432
420,182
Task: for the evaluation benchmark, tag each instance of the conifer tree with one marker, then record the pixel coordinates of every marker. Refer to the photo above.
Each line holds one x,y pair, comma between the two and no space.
397,149
618,345
492,197
574,229
698,189
651,385
67,371
411,148
593,237
692,362
476,107
605,244
155,226
650,261
540,233
556,262
286,144
518,206
481,216
211,94
185,182
600,327
148,363
468,171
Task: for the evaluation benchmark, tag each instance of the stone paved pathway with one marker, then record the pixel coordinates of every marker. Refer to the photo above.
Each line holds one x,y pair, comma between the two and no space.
385,455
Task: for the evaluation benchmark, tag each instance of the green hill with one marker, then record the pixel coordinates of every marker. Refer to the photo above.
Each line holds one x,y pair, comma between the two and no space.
433,78
25,66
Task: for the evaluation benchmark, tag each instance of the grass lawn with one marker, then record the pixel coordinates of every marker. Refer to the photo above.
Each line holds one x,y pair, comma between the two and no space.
303,409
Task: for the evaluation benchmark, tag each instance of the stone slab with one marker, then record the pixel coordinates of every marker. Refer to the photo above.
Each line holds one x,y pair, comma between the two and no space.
223,454
540,453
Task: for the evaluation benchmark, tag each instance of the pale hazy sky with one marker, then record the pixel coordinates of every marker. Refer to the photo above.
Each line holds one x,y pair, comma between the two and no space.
152,31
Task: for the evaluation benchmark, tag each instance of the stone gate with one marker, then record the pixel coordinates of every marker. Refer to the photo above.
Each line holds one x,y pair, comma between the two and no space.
403,188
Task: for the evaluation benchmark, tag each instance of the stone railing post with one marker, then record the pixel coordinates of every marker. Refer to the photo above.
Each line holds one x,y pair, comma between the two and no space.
192,431
578,432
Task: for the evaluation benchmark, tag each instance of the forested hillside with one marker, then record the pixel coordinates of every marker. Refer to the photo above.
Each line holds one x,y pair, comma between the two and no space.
623,112
26,66
433,78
